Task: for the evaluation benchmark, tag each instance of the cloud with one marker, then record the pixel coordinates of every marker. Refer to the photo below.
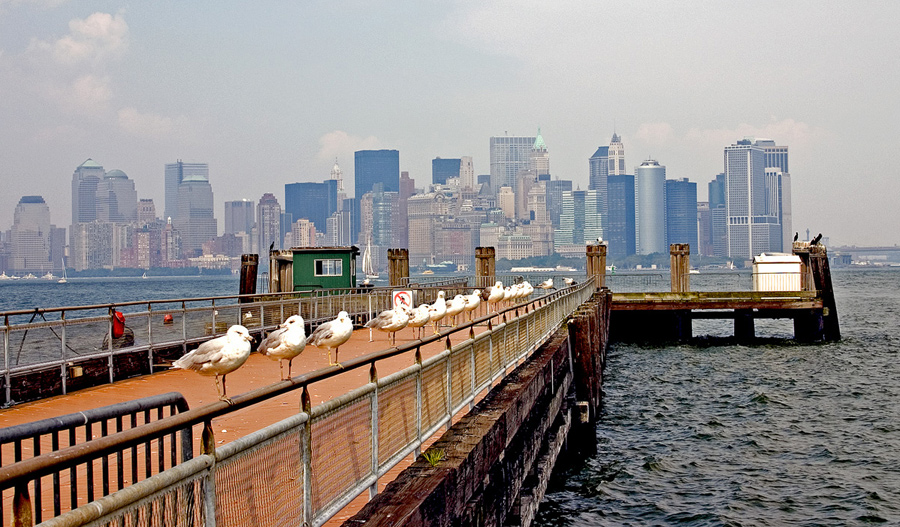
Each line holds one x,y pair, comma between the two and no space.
83,95
145,124
784,132
341,145
95,39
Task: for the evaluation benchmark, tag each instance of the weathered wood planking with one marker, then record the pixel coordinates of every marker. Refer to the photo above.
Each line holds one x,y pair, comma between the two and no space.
698,300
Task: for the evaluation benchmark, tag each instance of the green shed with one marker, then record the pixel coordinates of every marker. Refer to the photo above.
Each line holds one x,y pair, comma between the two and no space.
303,268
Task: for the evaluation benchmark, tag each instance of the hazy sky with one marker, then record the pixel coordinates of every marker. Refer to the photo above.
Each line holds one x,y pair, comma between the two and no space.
270,93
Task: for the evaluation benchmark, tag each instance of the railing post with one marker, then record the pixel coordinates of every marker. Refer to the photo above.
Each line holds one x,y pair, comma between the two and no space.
6,373
418,449
22,512
109,333
373,378
208,447
63,369
306,456
249,267
680,267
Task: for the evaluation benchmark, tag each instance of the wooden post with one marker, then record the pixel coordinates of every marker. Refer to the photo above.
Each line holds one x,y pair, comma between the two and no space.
249,265
680,267
596,264
485,261
744,330
398,266
816,276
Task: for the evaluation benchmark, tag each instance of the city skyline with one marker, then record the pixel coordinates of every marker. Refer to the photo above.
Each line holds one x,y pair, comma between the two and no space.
135,89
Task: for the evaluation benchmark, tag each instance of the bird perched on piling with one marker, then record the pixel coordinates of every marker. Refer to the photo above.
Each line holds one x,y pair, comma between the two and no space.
219,356
569,281
455,307
472,302
546,284
419,317
332,334
816,240
390,321
437,311
285,343
796,236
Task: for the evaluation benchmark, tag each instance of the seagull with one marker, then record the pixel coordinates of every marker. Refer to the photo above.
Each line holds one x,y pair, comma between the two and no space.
455,307
330,335
496,294
569,281
472,302
391,321
546,284
219,356
286,342
419,317
437,311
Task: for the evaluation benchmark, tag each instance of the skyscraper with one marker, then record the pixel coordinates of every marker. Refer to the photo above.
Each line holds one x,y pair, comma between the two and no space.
620,227
718,223
466,173
313,201
146,212
650,208
540,157
778,191
174,175
616,156
240,216
681,213
194,216
30,237
599,172
444,169
376,166
580,221
509,155
751,229
84,191
268,226
116,199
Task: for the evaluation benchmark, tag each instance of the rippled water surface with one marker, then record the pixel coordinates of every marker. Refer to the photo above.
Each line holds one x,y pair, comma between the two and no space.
770,434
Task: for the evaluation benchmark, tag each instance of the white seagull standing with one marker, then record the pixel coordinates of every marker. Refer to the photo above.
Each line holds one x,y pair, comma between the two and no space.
437,311
419,317
219,356
332,334
455,307
569,281
546,284
285,343
472,302
496,294
390,321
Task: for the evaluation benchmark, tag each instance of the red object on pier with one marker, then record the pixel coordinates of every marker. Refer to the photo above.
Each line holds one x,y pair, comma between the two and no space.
168,319
118,324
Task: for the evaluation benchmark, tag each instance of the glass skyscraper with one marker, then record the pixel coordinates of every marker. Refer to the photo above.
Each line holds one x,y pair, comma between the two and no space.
620,225
444,169
509,155
176,173
681,213
376,166
650,208
313,201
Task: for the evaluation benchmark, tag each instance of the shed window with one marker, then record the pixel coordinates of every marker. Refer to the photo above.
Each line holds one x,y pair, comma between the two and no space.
329,268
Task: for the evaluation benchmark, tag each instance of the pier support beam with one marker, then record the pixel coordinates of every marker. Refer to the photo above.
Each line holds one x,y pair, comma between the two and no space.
680,267
816,276
485,261
398,266
596,263
744,329
249,265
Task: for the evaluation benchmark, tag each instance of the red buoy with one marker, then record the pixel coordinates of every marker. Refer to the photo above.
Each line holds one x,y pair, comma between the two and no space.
168,319
118,324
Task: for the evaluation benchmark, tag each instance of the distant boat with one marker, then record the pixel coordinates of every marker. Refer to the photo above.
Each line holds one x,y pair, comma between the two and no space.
368,268
29,276
694,271
64,278
48,276
144,276
427,271
4,276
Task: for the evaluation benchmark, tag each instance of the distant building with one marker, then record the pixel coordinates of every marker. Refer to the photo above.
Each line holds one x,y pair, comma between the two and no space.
444,169
313,201
268,227
540,157
704,229
376,166
717,219
681,213
175,173
616,156
84,191
599,173
401,219
752,228
195,218
506,200
620,226
32,237
303,234
509,155
116,199
240,216
466,173
146,212
555,189
580,220
650,208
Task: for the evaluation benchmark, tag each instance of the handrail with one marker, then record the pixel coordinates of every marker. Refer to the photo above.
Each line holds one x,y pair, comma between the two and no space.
30,469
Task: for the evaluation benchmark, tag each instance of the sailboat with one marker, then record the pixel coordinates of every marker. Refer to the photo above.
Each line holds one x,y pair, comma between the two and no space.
64,278
367,266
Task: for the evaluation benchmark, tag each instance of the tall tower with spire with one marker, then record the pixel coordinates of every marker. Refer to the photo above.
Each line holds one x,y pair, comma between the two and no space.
616,156
540,157
338,175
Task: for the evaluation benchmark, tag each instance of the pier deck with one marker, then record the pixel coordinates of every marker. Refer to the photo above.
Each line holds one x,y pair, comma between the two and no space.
699,301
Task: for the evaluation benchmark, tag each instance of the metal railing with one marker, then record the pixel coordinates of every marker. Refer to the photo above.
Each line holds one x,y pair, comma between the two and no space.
63,338
31,440
311,465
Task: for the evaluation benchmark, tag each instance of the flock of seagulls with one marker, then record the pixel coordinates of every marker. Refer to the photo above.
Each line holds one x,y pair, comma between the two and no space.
223,355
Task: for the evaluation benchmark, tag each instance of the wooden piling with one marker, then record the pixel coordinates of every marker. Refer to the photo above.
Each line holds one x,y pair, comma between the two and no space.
485,261
398,267
249,265
816,275
596,263
680,267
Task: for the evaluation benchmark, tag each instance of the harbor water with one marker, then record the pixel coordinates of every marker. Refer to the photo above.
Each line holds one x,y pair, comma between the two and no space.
768,434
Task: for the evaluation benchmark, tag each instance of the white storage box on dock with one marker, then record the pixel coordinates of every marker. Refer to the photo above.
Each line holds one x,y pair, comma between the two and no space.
776,272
